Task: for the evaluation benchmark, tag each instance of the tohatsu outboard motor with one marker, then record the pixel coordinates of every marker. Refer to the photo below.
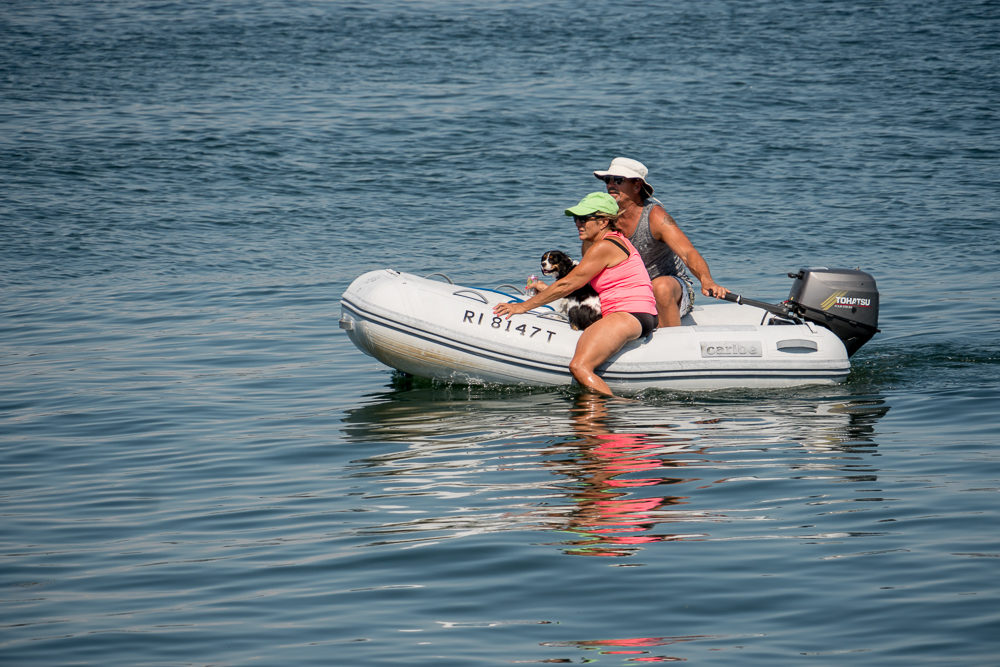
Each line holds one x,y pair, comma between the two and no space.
845,301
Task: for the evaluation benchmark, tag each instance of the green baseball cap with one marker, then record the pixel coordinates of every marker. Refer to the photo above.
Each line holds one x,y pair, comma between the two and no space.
595,202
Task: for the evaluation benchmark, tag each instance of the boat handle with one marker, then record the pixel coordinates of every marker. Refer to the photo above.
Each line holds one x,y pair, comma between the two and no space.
800,345
450,281
471,294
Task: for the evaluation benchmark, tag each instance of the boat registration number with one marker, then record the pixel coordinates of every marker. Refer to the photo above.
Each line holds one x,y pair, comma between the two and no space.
494,322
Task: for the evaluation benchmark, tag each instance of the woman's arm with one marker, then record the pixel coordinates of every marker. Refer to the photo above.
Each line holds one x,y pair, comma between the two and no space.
595,261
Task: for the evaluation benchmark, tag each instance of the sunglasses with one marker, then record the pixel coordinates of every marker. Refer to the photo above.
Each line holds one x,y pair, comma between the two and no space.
584,219
618,180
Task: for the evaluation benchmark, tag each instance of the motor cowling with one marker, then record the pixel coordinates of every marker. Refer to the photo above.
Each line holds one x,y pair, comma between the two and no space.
845,301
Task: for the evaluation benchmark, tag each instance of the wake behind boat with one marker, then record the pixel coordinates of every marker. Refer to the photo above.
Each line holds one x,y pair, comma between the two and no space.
437,329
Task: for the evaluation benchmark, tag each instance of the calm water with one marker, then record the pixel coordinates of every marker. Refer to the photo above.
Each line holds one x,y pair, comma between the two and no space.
199,468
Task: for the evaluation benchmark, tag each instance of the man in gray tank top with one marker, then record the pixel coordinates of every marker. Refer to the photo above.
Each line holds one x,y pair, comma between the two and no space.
665,249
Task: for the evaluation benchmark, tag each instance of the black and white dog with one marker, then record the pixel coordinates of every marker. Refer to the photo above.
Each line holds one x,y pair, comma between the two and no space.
582,307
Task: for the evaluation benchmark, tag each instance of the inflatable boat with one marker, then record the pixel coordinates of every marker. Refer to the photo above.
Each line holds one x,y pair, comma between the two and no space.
431,327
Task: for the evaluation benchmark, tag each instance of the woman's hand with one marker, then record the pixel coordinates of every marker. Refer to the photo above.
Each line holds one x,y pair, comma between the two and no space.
538,286
508,309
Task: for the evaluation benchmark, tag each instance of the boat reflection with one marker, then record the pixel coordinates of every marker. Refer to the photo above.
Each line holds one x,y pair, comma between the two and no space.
609,477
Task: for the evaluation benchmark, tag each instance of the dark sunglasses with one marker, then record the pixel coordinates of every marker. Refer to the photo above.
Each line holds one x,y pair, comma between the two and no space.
618,180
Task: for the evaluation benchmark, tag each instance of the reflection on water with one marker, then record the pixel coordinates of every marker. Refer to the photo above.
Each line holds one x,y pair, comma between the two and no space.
615,476
639,649
617,493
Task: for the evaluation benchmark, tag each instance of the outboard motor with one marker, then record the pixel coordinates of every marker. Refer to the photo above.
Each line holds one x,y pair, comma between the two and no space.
845,301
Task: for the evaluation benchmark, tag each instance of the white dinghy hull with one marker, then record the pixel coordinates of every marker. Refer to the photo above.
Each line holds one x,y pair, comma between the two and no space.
434,329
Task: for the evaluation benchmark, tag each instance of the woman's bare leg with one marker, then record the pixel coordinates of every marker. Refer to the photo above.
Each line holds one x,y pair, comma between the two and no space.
598,342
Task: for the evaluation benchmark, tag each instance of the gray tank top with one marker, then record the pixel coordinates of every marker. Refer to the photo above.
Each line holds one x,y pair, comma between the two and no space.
660,260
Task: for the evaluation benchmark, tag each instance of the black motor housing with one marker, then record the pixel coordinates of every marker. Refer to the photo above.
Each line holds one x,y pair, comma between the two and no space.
845,301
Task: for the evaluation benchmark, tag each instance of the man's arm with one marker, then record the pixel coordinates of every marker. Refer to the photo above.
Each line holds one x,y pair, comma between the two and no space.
665,229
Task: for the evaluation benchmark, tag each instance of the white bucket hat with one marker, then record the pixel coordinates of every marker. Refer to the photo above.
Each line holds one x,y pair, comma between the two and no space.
627,168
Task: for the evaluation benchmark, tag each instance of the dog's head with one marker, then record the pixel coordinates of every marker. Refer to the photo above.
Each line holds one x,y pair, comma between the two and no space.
556,262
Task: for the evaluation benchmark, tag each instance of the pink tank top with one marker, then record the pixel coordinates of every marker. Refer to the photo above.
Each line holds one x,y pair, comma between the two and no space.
625,287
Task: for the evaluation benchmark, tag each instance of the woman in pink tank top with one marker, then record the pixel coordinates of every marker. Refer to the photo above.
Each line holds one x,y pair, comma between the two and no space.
613,266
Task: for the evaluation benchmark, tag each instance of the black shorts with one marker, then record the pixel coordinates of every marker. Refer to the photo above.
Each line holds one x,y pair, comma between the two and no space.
648,322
